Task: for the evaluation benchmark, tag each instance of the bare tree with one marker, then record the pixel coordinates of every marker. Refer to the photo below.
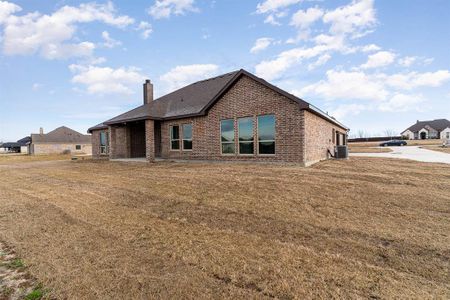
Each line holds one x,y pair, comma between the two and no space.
361,134
390,132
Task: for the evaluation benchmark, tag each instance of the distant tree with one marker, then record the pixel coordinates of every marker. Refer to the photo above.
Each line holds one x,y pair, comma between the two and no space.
390,132
361,134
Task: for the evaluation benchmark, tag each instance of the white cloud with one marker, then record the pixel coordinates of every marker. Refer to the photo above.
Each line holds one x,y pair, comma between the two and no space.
270,19
36,86
105,80
407,61
379,59
355,18
370,48
407,81
347,85
146,29
183,75
109,42
165,8
274,5
7,9
261,44
319,62
402,102
52,35
344,110
304,18
271,69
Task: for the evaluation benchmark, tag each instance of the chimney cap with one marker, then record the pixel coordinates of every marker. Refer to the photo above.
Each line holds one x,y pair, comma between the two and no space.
147,81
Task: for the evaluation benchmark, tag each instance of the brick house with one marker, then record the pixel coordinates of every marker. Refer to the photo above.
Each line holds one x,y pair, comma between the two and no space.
59,140
235,116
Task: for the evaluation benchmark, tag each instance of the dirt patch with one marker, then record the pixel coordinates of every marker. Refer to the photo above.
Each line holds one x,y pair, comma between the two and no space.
15,282
358,228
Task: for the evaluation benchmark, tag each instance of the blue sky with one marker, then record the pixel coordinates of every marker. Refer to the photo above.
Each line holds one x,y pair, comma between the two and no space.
375,65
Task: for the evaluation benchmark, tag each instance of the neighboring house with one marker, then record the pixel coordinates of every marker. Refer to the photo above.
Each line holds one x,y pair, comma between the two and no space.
24,144
435,129
10,147
60,140
235,116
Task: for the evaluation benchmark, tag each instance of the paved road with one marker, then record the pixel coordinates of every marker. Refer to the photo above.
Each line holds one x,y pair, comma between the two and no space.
411,152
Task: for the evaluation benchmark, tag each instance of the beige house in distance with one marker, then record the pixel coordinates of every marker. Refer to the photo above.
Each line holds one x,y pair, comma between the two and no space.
60,140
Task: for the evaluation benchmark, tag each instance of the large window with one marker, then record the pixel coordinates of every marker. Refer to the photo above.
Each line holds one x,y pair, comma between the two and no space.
187,137
175,137
77,147
266,134
227,136
245,133
104,142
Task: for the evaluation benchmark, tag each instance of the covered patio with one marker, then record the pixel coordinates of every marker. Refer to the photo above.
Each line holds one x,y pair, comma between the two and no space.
130,141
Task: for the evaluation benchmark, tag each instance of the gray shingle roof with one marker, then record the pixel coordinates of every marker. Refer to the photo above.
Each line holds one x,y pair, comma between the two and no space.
439,125
195,99
61,134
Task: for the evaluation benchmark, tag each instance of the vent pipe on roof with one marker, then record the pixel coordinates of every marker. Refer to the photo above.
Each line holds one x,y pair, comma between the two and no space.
148,91
41,131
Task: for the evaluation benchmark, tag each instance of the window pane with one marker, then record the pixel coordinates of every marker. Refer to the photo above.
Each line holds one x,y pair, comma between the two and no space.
187,131
187,145
175,145
246,148
266,147
266,127
103,138
175,132
245,126
228,148
227,130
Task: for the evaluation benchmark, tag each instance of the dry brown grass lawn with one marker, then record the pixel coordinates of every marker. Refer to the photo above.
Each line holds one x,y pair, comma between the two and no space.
410,143
437,148
19,158
360,228
352,149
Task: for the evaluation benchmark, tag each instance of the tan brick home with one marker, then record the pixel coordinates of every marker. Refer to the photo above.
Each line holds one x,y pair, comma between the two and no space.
235,116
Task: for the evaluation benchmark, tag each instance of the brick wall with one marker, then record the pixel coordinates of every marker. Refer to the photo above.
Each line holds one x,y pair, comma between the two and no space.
318,137
53,148
119,142
247,98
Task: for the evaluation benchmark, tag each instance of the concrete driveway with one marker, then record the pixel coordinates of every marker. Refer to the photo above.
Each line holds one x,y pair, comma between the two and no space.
413,153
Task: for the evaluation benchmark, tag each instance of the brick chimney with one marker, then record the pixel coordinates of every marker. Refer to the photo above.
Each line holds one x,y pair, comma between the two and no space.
41,131
148,91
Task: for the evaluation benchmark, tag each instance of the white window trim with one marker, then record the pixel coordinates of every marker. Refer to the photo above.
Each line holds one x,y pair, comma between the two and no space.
220,137
173,140
246,142
183,139
257,136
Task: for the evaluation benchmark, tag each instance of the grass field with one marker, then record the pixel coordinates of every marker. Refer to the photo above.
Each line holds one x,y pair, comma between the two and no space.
358,228
373,147
437,148
20,158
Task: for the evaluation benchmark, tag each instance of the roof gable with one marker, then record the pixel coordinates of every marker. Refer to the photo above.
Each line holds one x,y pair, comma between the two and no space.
438,124
61,134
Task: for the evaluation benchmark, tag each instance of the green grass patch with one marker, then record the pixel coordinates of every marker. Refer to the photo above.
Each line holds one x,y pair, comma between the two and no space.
36,294
16,263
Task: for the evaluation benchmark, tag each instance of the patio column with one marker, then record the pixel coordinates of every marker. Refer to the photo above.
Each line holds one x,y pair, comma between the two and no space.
150,140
